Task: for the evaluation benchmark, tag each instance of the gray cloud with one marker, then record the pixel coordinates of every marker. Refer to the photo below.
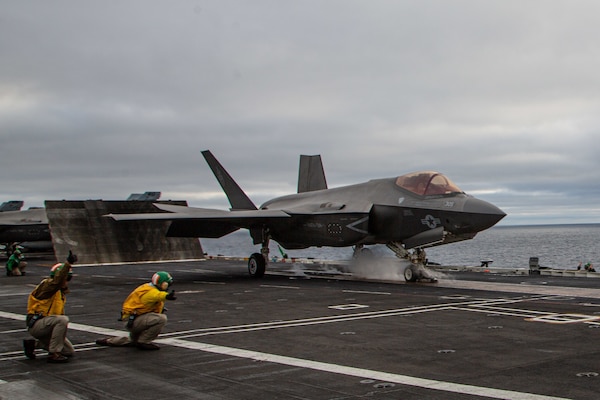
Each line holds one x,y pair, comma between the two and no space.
99,100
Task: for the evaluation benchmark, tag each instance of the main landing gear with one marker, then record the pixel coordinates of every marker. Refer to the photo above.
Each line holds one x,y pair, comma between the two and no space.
416,270
257,263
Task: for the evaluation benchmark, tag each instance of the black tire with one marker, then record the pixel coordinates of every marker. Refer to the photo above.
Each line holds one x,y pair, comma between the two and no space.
410,275
256,265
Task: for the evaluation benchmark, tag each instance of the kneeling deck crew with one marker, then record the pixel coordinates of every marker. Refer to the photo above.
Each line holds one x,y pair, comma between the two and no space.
143,313
46,319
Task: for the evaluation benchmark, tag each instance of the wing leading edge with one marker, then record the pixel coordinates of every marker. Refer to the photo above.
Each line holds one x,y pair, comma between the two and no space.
213,223
204,222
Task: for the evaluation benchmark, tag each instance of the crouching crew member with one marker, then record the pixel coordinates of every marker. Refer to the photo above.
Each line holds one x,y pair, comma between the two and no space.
143,313
16,264
46,319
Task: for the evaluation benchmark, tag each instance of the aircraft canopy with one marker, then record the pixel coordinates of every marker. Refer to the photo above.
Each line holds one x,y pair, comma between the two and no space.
427,183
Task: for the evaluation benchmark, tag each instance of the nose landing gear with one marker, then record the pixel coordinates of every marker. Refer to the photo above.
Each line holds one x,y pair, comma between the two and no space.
416,271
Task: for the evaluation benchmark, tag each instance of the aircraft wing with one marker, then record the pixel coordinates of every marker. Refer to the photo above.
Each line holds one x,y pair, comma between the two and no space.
194,213
203,222
209,213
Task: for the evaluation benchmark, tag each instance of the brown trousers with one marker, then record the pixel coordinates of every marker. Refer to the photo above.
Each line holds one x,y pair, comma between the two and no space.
145,329
51,333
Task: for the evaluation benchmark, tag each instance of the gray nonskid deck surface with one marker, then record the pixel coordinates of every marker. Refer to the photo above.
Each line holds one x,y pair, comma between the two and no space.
294,336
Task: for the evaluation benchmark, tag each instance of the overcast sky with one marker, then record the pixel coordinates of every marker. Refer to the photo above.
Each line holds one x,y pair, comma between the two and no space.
104,99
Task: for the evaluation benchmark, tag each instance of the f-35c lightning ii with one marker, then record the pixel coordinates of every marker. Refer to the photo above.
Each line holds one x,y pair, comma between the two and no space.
406,213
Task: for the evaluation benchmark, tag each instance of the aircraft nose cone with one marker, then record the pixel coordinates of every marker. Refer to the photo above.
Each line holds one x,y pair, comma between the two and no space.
485,215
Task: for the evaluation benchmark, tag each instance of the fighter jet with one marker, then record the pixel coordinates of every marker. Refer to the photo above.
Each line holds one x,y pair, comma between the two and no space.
406,213
18,227
29,228
24,225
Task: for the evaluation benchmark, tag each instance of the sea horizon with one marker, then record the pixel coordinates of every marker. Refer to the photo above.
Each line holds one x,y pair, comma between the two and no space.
561,246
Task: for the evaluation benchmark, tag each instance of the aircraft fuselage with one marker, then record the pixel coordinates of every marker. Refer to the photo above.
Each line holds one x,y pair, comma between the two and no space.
26,225
381,212
24,233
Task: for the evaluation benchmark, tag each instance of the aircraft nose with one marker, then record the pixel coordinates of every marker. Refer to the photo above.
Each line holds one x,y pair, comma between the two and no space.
485,214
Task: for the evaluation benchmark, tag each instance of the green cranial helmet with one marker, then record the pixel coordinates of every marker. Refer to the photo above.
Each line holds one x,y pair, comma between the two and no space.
160,277
57,267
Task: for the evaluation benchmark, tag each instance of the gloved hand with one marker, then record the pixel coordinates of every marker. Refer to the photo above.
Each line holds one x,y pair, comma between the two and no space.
171,295
71,258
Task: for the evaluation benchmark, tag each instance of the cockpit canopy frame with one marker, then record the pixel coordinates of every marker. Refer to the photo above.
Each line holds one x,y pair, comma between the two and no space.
427,183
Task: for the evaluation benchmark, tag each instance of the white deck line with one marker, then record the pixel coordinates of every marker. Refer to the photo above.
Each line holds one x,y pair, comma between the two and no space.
321,366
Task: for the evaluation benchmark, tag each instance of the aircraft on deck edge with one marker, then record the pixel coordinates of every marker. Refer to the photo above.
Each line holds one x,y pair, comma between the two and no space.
406,213
29,228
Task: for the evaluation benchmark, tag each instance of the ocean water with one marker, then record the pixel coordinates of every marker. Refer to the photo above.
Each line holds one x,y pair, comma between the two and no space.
556,246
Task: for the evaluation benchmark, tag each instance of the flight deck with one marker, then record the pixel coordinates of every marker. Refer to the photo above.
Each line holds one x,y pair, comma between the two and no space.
309,332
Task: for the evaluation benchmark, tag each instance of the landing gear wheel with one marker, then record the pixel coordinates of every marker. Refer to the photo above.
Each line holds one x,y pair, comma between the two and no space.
256,265
410,275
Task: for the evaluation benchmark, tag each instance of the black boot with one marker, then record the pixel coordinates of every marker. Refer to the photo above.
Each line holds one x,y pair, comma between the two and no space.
148,346
29,348
57,358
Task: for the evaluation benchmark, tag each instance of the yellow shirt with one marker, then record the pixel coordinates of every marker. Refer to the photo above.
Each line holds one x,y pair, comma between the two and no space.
54,305
144,299
49,297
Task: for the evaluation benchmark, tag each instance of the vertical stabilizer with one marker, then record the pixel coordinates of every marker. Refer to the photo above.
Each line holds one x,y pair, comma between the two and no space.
311,175
237,197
